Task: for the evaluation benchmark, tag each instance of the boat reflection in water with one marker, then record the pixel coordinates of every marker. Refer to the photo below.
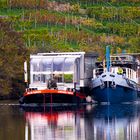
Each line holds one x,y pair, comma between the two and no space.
113,122
101,122
55,123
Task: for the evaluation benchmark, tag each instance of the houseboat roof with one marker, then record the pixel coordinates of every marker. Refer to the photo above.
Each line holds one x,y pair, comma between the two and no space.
59,54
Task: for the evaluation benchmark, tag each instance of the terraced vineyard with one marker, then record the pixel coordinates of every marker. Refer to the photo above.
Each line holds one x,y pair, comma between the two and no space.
75,25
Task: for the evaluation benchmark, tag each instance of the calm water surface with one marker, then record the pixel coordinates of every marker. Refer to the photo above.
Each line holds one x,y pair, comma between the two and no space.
90,122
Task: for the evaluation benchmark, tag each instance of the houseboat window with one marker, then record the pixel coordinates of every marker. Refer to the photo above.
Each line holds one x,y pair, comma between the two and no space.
69,64
40,78
35,64
68,78
58,78
58,64
43,78
47,64
69,67
36,78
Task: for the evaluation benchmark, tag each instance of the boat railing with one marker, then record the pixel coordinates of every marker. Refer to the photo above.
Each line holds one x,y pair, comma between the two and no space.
121,62
127,72
59,86
97,72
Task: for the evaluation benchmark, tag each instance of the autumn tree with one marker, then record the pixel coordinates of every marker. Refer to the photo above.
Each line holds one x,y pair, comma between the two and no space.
12,55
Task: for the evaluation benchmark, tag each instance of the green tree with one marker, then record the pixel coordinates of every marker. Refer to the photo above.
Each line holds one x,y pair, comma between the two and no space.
134,44
12,55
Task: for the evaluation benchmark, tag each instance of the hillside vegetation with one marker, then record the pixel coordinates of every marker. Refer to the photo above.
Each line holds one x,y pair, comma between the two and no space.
72,25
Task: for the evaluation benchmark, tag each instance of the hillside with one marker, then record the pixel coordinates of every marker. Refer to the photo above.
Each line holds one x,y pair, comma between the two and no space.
73,25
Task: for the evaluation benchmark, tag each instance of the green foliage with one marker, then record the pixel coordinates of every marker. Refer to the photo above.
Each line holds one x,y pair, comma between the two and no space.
102,23
75,8
12,55
135,44
68,78
3,4
124,13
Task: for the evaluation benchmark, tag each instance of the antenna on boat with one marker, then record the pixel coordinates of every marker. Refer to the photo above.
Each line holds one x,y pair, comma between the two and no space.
108,58
25,73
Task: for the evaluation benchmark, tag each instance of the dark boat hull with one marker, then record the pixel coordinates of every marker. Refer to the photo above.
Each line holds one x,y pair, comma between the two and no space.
118,95
51,96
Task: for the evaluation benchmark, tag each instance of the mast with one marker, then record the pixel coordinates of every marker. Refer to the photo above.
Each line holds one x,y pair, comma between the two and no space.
108,58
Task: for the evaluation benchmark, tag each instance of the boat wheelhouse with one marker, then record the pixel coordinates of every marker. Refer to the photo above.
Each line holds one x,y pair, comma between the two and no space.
116,80
59,76
128,64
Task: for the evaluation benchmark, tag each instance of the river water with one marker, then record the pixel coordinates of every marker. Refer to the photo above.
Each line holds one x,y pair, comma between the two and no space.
88,122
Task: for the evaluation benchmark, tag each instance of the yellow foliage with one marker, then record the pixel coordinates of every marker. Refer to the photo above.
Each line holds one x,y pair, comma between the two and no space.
75,7
87,22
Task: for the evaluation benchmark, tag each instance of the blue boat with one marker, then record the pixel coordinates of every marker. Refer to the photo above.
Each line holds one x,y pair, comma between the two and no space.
117,80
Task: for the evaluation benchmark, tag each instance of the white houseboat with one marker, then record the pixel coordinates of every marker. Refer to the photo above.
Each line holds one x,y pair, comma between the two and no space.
59,77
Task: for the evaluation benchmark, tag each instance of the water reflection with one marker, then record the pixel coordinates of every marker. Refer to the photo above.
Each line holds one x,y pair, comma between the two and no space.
113,122
100,122
12,122
55,123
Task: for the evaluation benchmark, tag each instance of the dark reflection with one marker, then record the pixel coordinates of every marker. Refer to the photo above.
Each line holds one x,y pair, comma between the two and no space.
101,122
90,122
12,123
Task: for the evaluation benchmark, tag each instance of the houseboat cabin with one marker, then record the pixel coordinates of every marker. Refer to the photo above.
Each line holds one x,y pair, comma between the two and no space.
69,70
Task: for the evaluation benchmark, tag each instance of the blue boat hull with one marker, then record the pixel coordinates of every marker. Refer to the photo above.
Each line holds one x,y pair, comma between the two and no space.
114,95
